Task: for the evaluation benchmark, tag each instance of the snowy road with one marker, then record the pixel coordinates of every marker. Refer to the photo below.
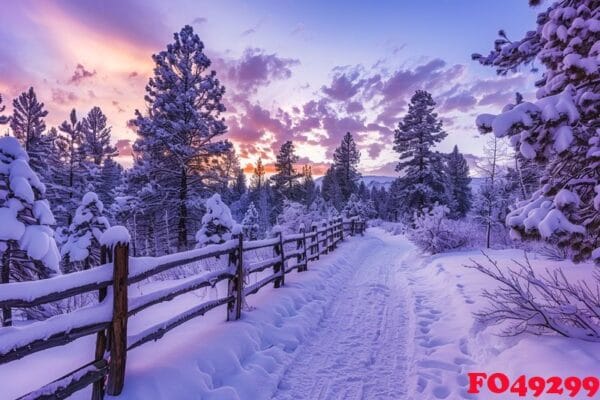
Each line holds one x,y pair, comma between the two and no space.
361,347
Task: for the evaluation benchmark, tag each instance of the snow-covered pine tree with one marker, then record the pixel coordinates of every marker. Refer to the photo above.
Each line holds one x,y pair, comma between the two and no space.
178,137
3,118
111,175
258,176
286,179
353,208
217,223
307,185
28,126
72,178
250,223
239,187
422,182
82,247
96,137
330,189
292,217
457,170
559,129
345,160
27,247
363,192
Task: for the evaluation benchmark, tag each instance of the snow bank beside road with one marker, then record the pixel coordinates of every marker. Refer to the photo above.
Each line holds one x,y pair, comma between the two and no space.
449,343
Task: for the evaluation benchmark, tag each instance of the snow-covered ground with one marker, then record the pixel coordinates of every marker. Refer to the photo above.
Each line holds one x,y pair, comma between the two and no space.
373,320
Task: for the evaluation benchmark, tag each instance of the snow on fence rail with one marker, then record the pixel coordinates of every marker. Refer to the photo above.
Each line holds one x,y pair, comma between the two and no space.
108,318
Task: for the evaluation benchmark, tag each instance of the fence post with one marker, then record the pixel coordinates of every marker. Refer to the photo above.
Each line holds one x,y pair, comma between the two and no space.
352,227
5,278
118,330
279,267
305,256
325,244
341,222
235,286
298,247
315,240
101,342
363,226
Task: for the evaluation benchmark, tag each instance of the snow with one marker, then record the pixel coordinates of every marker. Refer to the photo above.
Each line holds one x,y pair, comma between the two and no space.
115,235
217,223
374,319
10,228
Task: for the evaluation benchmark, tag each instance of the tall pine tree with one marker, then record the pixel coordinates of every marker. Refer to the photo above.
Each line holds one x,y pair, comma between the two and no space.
422,182
179,135
286,179
345,160
96,135
458,180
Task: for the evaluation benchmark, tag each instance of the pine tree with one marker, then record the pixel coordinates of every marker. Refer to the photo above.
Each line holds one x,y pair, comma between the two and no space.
345,159
422,183
307,185
27,247
560,129
178,135
82,247
97,136
331,190
239,185
111,175
258,176
362,191
3,118
28,126
217,224
72,174
250,223
459,180
286,178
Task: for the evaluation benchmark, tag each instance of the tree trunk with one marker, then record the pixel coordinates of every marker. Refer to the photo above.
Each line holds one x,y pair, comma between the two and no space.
182,227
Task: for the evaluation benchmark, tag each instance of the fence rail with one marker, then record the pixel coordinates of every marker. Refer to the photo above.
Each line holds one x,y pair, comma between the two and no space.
108,318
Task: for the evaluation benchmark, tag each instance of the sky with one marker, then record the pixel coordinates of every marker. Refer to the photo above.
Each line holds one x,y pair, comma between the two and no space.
307,71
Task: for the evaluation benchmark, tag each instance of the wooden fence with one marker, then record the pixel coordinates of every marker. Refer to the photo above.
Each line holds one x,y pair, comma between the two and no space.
108,318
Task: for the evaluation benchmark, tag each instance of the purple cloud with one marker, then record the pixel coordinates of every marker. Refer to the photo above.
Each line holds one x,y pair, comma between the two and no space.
80,74
463,101
256,68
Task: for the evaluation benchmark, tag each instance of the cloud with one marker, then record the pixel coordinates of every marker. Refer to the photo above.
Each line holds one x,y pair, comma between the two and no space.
199,21
124,147
256,68
63,97
80,74
463,101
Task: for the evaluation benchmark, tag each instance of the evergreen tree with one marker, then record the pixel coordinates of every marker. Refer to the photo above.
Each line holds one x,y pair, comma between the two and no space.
258,176
217,224
286,178
72,174
560,129
458,180
422,182
96,137
331,190
178,137
250,223
3,118
81,250
239,185
28,126
308,186
345,159
27,247
111,175
363,192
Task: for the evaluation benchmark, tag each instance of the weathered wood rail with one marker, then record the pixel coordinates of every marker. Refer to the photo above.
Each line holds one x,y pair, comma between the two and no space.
108,318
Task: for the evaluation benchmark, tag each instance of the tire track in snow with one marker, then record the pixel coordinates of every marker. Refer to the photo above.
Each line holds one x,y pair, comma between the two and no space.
360,350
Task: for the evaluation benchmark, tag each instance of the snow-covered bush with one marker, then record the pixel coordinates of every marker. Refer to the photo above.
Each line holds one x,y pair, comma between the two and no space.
217,223
26,237
539,304
250,223
434,232
293,215
82,247
559,130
